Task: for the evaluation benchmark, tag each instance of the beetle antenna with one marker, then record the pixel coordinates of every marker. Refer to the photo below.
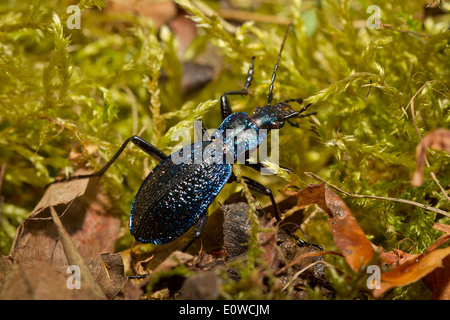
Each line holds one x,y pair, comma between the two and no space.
270,96
304,108
306,115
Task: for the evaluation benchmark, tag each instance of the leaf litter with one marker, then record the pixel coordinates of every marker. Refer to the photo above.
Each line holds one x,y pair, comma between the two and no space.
86,228
294,267
359,252
285,260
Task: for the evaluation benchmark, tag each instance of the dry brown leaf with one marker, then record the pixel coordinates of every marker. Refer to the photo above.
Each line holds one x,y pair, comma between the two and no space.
442,227
439,140
175,259
91,221
433,266
204,285
352,242
75,259
268,242
347,234
108,272
5,267
236,226
159,11
412,270
391,259
88,226
60,193
185,29
39,280
439,281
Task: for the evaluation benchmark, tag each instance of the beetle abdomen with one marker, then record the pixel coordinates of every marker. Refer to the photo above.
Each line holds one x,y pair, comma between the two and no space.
174,196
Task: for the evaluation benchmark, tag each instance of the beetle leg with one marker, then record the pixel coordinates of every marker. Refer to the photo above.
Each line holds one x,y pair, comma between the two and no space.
298,100
304,109
198,230
225,105
232,178
258,187
150,149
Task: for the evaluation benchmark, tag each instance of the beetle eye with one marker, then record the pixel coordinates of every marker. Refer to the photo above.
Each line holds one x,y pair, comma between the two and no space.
257,109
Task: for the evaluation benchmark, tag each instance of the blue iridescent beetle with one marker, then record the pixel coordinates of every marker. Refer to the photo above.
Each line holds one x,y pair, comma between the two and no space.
176,195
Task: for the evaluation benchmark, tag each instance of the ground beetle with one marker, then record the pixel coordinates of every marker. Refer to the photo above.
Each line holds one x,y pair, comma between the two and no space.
175,196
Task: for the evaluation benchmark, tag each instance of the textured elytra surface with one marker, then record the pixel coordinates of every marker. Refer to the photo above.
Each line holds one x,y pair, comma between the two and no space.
174,196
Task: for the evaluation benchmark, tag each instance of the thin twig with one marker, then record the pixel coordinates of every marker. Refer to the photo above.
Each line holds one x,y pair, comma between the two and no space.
411,33
2,174
368,92
306,255
417,204
326,264
239,15
207,11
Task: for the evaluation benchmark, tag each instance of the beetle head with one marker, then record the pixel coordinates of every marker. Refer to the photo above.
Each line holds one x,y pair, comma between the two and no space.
275,116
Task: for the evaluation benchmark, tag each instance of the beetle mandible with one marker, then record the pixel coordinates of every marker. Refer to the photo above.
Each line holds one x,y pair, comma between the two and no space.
175,196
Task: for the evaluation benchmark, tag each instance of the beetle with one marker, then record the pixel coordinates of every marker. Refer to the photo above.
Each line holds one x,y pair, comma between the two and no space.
176,195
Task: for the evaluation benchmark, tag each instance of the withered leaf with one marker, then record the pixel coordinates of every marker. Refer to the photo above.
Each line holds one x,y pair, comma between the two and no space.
347,234
175,259
268,242
439,281
204,285
159,11
165,277
60,193
235,228
439,140
442,227
39,280
414,268
91,221
74,257
108,271
392,258
236,235
5,268
87,227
